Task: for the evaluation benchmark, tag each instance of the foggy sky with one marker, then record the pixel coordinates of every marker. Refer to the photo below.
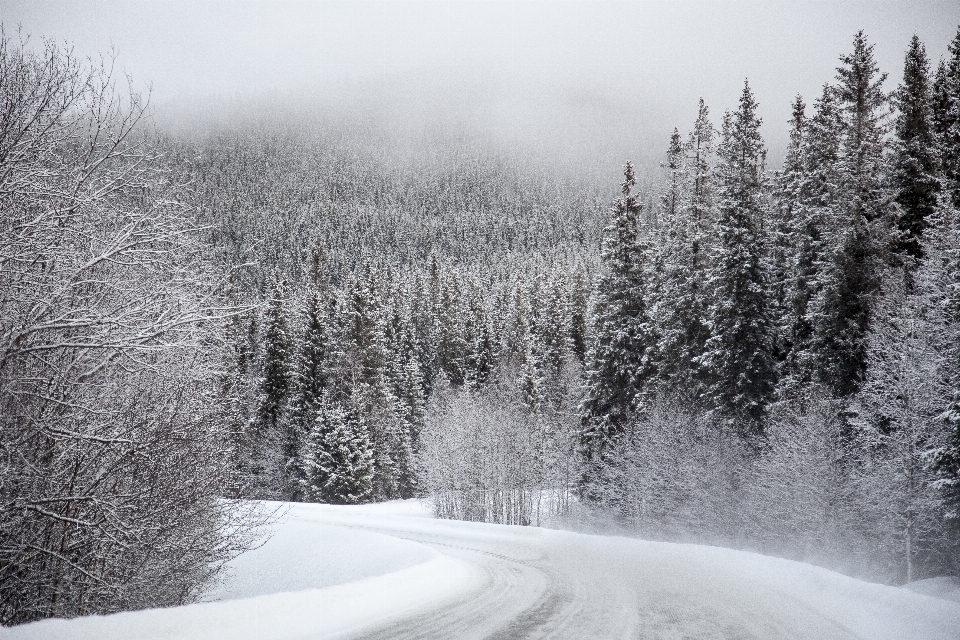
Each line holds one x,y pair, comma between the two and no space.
581,79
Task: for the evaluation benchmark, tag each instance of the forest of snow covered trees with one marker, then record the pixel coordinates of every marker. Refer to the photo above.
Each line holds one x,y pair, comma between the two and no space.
773,358
731,355
751,358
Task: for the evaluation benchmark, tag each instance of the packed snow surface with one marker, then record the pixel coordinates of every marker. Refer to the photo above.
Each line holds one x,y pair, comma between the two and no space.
391,571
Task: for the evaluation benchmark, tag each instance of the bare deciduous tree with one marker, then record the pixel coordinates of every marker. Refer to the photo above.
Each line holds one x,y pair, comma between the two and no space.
113,459
486,457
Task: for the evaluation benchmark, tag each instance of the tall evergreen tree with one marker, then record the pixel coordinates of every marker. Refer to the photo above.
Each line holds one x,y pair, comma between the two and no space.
815,204
786,228
311,374
915,162
700,149
701,234
410,411
479,357
684,230
452,344
860,92
674,191
521,322
700,152
577,311
738,355
862,229
277,360
366,327
530,379
620,358
940,105
420,311
553,326
946,120
364,377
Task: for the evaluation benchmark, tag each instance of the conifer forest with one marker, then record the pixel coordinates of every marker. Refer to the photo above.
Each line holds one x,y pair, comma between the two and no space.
705,348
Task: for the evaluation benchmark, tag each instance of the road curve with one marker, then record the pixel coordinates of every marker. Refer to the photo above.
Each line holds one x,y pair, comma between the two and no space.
540,583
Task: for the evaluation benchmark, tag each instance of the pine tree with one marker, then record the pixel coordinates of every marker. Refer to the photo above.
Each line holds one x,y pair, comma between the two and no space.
915,162
672,232
701,235
366,336
452,346
674,192
521,319
480,356
337,461
860,93
620,358
684,230
940,102
422,324
787,231
530,380
407,393
311,375
277,357
553,327
700,151
577,311
364,372
411,413
738,356
862,228
945,106
815,205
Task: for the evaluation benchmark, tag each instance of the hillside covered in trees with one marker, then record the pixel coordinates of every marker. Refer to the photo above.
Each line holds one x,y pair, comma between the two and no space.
736,355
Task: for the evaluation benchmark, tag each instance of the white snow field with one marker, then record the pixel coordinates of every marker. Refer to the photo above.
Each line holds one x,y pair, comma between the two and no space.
390,571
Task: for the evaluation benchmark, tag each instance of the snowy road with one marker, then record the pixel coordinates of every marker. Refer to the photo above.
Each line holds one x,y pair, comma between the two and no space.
551,584
391,572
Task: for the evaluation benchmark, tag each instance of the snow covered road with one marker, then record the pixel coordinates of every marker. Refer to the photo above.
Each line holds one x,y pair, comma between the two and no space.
540,583
391,572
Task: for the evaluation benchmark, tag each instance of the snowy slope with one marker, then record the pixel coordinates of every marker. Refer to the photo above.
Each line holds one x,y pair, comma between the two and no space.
405,575
945,588
305,553
311,577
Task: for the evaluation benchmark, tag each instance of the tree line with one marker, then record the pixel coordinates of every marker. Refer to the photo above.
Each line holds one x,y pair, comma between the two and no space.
337,387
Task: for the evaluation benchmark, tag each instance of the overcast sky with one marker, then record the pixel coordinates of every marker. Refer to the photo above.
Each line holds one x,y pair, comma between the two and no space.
607,77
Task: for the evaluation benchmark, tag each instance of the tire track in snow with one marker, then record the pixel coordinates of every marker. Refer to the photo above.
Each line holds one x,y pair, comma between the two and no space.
509,589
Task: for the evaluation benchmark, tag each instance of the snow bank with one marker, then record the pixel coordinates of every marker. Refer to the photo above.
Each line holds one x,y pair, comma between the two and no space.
307,552
313,578
313,613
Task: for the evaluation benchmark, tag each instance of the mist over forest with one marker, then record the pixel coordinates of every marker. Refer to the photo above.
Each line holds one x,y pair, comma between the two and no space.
554,277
